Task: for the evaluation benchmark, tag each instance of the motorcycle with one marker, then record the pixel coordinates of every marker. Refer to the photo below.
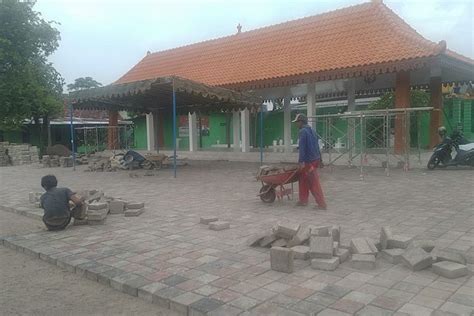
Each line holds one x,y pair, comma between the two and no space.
442,156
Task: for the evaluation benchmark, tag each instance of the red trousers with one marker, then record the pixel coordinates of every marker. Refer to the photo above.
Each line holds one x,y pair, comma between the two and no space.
309,181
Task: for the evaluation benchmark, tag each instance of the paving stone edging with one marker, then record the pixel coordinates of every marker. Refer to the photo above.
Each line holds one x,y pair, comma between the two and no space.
129,283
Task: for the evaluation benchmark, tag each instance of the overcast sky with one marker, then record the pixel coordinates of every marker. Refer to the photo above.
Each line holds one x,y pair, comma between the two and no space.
105,38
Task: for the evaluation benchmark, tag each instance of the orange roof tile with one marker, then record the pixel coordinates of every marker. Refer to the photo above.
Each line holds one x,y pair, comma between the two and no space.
360,35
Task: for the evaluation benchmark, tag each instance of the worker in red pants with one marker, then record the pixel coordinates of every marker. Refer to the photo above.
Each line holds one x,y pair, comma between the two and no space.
309,160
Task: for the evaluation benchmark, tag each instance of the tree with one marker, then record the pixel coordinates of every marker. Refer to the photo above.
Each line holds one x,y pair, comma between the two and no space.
83,83
30,87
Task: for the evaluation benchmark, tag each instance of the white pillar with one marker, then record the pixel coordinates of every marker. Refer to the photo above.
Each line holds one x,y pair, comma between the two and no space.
193,133
351,90
236,130
150,132
245,122
311,104
287,124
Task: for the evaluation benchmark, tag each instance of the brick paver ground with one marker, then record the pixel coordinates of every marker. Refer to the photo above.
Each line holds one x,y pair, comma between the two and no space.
167,257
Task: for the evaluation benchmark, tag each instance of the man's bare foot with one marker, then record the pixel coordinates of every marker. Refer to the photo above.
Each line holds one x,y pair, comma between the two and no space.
299,203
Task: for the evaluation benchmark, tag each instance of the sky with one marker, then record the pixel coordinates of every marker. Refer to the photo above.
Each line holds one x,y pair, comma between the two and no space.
103,39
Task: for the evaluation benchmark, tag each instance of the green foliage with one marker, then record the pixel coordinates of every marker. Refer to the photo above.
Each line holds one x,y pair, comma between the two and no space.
418,98
83,83
30,87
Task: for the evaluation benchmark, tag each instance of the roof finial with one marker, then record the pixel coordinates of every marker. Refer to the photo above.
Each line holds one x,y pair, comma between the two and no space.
148,53
442,46
239,28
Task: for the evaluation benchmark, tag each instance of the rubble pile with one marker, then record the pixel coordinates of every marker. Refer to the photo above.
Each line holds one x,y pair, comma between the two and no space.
18,154
322,245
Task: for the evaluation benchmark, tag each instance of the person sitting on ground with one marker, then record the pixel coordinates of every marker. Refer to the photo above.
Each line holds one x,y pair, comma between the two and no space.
56,204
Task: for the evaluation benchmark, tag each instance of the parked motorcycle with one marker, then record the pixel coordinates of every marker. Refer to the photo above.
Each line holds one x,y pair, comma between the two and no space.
443,153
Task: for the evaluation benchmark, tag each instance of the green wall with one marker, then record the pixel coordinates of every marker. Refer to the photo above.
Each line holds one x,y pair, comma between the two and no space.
139,133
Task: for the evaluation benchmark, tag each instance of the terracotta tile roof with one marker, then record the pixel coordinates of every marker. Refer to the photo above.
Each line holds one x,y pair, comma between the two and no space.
365,34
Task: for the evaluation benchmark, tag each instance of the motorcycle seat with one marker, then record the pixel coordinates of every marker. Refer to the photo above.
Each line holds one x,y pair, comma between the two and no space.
466,147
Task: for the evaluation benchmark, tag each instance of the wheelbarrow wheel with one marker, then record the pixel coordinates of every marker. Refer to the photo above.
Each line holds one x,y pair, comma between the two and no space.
269,196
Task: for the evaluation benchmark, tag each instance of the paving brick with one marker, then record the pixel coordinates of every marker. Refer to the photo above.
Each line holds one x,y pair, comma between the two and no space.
325,264
417,259
306,307
207,219
394,256
363,262
219,225
301,252
135,205
128,283
162,297
398,241
457,309
301,236
255,239
117,206
204,306
413,309
321,231
363,246
286,230
343,254
133,212
97,206
385,235
96,215
181,302
347,306
443,255
374,311
279,243
281,259
174,280
320,247
450,270
335,247
267,240
426,245
226,310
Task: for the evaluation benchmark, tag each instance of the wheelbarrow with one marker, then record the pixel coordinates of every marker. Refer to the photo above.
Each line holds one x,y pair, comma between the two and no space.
273,185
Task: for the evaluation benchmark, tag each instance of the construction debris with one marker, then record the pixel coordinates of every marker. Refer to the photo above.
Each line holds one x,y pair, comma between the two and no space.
394,256
281,259
385,235
363,261
18,154
450,270
417,259
330,264
134,212
286,231
301,236
117,207
363,246
443,255
320,247
398,241
301,252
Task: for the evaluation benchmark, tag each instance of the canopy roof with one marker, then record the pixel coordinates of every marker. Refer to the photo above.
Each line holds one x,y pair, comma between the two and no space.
349,42
157,95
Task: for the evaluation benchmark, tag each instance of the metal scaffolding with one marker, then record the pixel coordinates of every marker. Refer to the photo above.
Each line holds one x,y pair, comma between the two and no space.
371,134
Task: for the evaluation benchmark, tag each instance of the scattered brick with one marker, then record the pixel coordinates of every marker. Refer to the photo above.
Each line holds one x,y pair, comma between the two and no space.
426,245
335,247
134,212
385,235
267,240
321,231
286,231
279,243
364,262
219,225
325,264
417,259
321,247
393,256
450,270
207,219
363,246
281,259
97,206
443,255
343,254
302,235
135,205
398,241
117,206
301,252
336,233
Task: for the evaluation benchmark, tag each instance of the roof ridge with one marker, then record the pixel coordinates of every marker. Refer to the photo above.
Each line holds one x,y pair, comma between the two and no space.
259,29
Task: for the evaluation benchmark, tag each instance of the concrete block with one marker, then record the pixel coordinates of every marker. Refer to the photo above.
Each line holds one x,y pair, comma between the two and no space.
321,231
301,236
385,235
343,254
207,219
426,245
321,247
117,206
363,246
135,205
97,206
287,230
267,240
417,259
363,262
255,239
398,241
219,225
78,222
325,264
336,233
133,212
301,252
444,255
96,215
450,270
281,259
393,256
279,243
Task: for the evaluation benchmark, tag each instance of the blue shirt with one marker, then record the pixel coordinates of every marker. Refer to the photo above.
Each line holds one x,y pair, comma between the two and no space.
308,145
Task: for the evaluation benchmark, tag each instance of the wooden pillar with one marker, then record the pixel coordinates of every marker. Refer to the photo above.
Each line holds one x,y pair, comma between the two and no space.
112,135
402,100
436,101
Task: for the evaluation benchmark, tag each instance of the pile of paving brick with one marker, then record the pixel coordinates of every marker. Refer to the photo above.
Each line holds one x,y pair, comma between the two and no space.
52,161
322,245
98,206
214,223
99,163
18,154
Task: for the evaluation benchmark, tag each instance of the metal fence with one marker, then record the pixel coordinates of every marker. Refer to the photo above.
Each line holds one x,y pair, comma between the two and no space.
90,139
385,136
